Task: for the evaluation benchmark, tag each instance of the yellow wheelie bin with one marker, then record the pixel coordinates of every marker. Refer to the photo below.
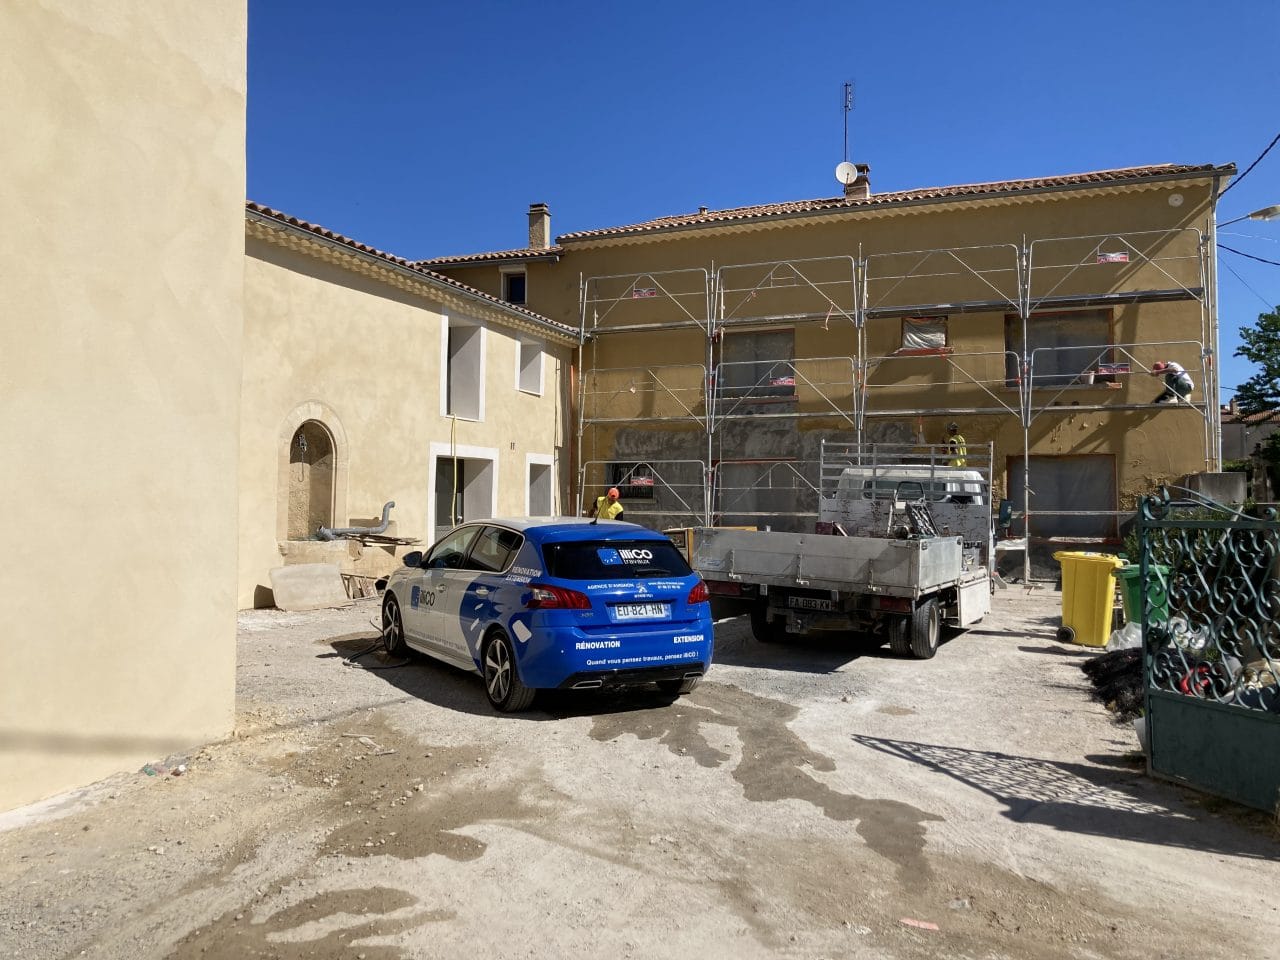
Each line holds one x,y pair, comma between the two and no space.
1088,594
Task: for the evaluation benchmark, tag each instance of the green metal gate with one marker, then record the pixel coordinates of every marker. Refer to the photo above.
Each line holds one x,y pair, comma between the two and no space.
1211,629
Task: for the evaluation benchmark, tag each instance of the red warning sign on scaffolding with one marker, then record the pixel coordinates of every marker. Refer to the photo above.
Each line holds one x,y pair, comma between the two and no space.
1117,256
639,293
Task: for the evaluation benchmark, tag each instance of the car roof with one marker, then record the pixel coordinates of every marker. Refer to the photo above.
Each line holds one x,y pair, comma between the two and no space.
552,529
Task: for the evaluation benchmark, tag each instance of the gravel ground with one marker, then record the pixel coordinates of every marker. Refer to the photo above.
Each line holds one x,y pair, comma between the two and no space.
809,799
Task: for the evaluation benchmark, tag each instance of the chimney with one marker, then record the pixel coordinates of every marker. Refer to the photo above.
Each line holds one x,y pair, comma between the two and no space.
539,226
860,189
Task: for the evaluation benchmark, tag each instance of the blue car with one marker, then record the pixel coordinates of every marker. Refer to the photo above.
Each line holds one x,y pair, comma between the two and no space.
556,603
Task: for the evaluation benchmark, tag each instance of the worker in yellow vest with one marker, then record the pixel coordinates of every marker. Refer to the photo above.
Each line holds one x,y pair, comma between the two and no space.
607,507
956,448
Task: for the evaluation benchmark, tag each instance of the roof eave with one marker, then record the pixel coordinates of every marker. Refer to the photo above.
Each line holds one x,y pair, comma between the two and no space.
440,287
891,206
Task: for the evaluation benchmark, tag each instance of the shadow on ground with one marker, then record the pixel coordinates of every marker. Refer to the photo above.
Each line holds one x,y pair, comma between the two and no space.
1079,798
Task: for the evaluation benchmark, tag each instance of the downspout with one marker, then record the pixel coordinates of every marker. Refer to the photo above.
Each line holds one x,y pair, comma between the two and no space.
1212,380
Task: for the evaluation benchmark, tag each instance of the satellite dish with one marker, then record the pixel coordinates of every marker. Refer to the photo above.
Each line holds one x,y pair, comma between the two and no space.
846,173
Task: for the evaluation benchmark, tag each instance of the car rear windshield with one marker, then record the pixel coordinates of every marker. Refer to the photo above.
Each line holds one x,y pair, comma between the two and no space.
614,560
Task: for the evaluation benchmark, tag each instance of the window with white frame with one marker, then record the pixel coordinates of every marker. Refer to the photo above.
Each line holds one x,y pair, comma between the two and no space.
529,367
513,287
464,371
540,491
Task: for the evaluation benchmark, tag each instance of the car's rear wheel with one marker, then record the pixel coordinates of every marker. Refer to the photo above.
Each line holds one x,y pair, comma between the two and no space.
502,683
678,688
393,629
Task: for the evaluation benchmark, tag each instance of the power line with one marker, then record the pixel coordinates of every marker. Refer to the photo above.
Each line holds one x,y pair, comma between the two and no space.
1269,304
1223,246
1250,167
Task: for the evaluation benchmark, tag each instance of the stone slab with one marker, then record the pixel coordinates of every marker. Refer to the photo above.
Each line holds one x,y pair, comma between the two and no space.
308,586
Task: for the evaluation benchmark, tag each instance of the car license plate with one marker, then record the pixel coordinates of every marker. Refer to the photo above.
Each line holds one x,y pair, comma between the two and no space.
641,611
810,603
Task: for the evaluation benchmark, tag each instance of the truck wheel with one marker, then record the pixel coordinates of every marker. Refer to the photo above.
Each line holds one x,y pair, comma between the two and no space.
898,629
926,625
764,629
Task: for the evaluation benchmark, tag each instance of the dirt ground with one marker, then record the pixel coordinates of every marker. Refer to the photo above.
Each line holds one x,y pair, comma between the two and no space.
810,799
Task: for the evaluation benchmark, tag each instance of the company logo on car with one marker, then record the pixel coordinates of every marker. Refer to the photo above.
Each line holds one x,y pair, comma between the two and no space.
635,555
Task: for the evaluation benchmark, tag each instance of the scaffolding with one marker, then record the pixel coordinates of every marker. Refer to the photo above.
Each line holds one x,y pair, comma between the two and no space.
715,408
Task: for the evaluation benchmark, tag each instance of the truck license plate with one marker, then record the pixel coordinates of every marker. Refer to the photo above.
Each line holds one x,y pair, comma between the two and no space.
642,611
810,603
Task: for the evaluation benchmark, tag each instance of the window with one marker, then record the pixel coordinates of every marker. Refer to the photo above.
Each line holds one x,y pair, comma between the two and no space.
494,550
924,334
603,559
635,481
540,500
758,364
464,490
1065,348
513,287
452,550
464,371
1084,486
529,370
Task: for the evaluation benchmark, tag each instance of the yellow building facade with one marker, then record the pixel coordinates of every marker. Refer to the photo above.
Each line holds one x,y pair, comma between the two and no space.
722,347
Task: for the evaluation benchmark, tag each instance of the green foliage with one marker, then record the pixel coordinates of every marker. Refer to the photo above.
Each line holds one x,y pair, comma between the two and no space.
1261,345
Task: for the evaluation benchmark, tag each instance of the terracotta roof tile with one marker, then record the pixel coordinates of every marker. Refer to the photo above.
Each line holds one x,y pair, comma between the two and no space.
529,253
737,214
428,275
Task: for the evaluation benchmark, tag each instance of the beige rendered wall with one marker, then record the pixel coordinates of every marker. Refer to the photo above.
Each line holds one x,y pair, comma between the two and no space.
122,145
364,358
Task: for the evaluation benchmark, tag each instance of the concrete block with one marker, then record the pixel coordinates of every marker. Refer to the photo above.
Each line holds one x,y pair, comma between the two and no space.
1227,488
308,586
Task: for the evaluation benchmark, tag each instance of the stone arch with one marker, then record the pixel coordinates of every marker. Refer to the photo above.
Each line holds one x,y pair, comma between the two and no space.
312,487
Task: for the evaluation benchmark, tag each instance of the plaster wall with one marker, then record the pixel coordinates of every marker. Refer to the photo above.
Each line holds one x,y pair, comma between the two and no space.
366,359
122,143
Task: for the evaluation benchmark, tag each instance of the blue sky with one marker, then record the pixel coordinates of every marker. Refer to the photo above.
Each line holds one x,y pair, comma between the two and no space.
427,129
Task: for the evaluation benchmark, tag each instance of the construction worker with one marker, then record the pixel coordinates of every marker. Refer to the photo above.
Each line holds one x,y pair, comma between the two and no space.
607,507
1177,383
956,448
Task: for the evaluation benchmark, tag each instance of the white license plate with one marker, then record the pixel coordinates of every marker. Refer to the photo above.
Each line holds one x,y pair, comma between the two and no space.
642,611
810,603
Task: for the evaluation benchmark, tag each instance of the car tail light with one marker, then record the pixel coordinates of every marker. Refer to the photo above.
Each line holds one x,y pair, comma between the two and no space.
545,597
699,593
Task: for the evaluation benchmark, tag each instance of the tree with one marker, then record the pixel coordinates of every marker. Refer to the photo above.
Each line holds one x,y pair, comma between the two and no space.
1261,392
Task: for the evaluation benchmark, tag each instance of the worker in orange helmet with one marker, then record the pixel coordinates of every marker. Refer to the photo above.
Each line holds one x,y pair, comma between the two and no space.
1177,382
607,507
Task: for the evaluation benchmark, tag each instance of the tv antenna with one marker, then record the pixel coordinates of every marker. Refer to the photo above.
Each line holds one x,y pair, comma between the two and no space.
848,106
846,172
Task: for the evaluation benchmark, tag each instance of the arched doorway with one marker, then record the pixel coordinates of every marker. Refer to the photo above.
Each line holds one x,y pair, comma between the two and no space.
311,476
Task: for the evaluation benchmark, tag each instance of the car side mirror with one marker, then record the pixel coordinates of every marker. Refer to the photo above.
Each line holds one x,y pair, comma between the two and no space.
413,558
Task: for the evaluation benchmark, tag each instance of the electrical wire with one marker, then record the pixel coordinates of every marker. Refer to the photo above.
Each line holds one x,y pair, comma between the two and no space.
1250,167
1250,256
351,660
1233,272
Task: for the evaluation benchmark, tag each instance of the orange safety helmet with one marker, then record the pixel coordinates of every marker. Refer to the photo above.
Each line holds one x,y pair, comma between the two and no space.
1159,366
613,493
